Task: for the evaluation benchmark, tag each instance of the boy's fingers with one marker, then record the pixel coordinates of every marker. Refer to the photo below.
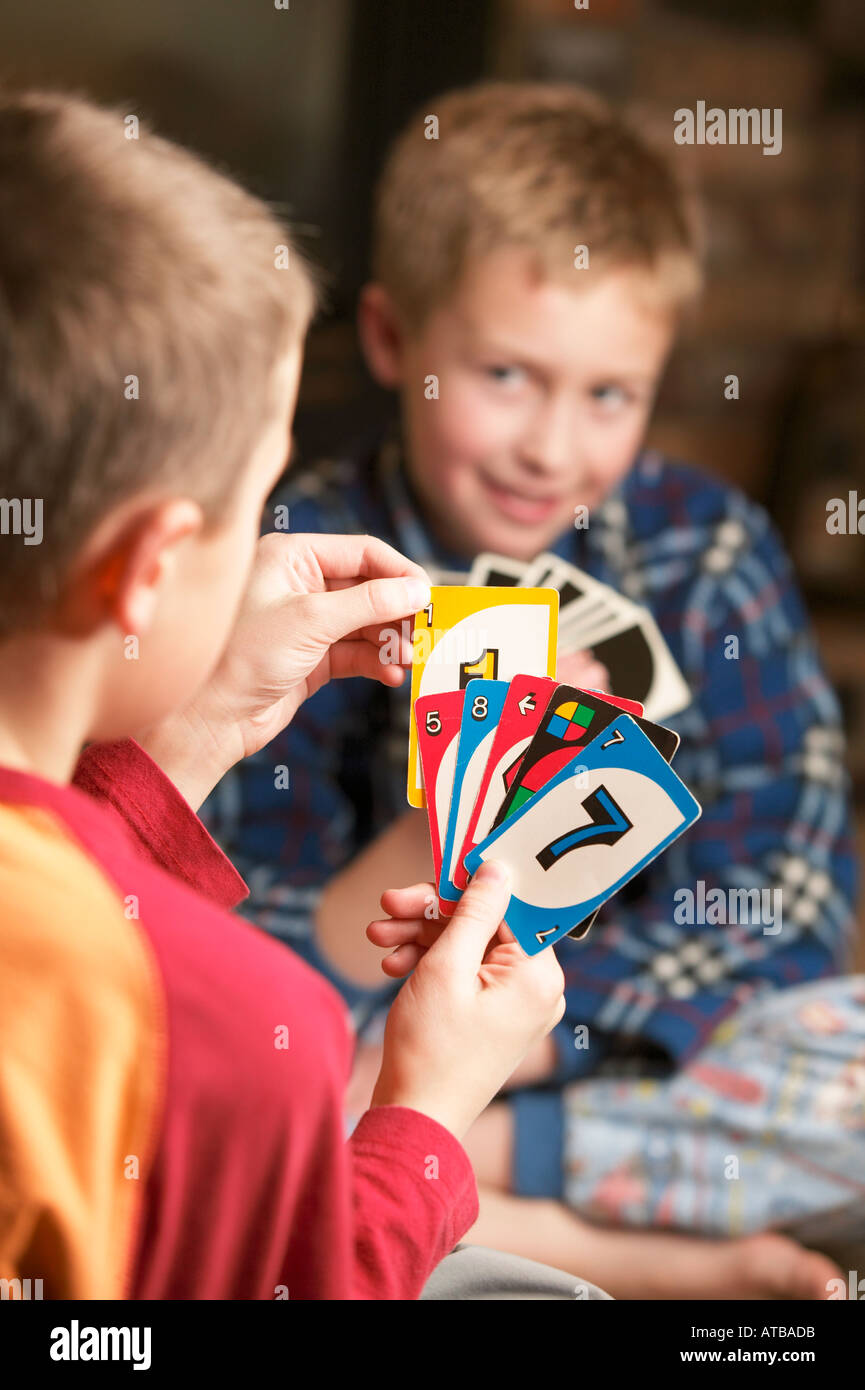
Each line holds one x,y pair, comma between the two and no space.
398,636
597,677
581,669
362,659
476,918
334,615
394,932
394,644
389,675
403,960
409,902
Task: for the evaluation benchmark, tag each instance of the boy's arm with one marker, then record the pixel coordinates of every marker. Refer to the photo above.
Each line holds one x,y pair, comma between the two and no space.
414,1198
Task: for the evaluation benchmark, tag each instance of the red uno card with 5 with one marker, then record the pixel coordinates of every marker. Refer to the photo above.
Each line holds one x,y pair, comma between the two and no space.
438,727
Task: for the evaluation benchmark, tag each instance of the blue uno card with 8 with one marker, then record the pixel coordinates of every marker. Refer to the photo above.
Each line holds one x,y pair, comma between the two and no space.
580,838
482,710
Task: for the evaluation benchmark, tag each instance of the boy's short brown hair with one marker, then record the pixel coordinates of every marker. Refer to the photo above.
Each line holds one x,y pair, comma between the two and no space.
544,166
143,311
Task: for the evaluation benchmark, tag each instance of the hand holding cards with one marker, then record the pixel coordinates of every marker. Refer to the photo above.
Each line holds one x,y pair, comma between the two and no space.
593,617
571,789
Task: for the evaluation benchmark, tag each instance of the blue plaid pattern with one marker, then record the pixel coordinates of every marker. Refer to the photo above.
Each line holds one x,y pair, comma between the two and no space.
762,750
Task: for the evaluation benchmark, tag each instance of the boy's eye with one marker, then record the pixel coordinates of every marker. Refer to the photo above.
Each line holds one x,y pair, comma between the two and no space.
507,376
611,397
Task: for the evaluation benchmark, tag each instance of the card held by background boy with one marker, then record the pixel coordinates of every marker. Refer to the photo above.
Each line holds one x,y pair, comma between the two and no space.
599,822
482,708
495,571
438,727
467,632
577,591
639,662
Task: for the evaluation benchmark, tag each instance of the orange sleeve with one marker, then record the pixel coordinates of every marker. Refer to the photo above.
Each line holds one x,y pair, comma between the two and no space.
82,1059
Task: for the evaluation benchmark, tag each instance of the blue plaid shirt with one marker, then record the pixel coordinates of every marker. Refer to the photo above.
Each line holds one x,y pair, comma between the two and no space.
762,750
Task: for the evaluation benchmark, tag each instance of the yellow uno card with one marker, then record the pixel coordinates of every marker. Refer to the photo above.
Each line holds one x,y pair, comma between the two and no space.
463,632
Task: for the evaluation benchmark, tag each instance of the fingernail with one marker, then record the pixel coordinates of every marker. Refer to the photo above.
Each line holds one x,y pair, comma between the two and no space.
417,594
492,871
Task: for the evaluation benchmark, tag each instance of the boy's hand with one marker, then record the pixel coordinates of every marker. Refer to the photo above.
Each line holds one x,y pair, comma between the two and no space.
313,610
473,1007
582,670
408,933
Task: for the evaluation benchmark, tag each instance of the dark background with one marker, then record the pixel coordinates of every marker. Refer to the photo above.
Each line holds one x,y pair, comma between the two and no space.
301,103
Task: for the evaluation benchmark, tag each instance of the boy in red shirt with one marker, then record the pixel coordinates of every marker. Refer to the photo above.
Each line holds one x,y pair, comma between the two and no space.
171,1079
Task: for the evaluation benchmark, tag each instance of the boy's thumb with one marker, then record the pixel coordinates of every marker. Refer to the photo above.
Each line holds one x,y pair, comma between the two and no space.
342,611
478,914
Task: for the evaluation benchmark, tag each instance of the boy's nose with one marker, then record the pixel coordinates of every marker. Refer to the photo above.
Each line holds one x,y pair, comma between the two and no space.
549,445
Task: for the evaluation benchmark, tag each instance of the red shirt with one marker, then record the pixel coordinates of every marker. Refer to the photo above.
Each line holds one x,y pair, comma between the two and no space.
171,1120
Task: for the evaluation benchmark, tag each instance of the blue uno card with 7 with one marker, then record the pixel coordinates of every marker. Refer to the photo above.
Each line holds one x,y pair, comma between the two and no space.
580,838
481,712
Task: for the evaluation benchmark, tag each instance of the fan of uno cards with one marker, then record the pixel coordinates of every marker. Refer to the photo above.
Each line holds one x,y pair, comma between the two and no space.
571,789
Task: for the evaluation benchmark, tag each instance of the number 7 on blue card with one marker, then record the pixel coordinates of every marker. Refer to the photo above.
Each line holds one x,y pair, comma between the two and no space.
580,838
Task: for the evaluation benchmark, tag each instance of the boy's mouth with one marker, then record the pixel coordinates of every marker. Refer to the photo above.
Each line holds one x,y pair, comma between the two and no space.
520,506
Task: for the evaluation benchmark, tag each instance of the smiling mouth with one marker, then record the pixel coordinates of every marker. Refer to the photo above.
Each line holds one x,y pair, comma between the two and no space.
520,506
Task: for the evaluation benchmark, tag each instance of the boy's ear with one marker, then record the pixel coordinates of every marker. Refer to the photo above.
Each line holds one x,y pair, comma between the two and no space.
382,336
121,579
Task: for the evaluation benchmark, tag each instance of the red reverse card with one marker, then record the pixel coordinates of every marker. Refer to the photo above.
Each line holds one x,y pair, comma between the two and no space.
438,725
524,707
